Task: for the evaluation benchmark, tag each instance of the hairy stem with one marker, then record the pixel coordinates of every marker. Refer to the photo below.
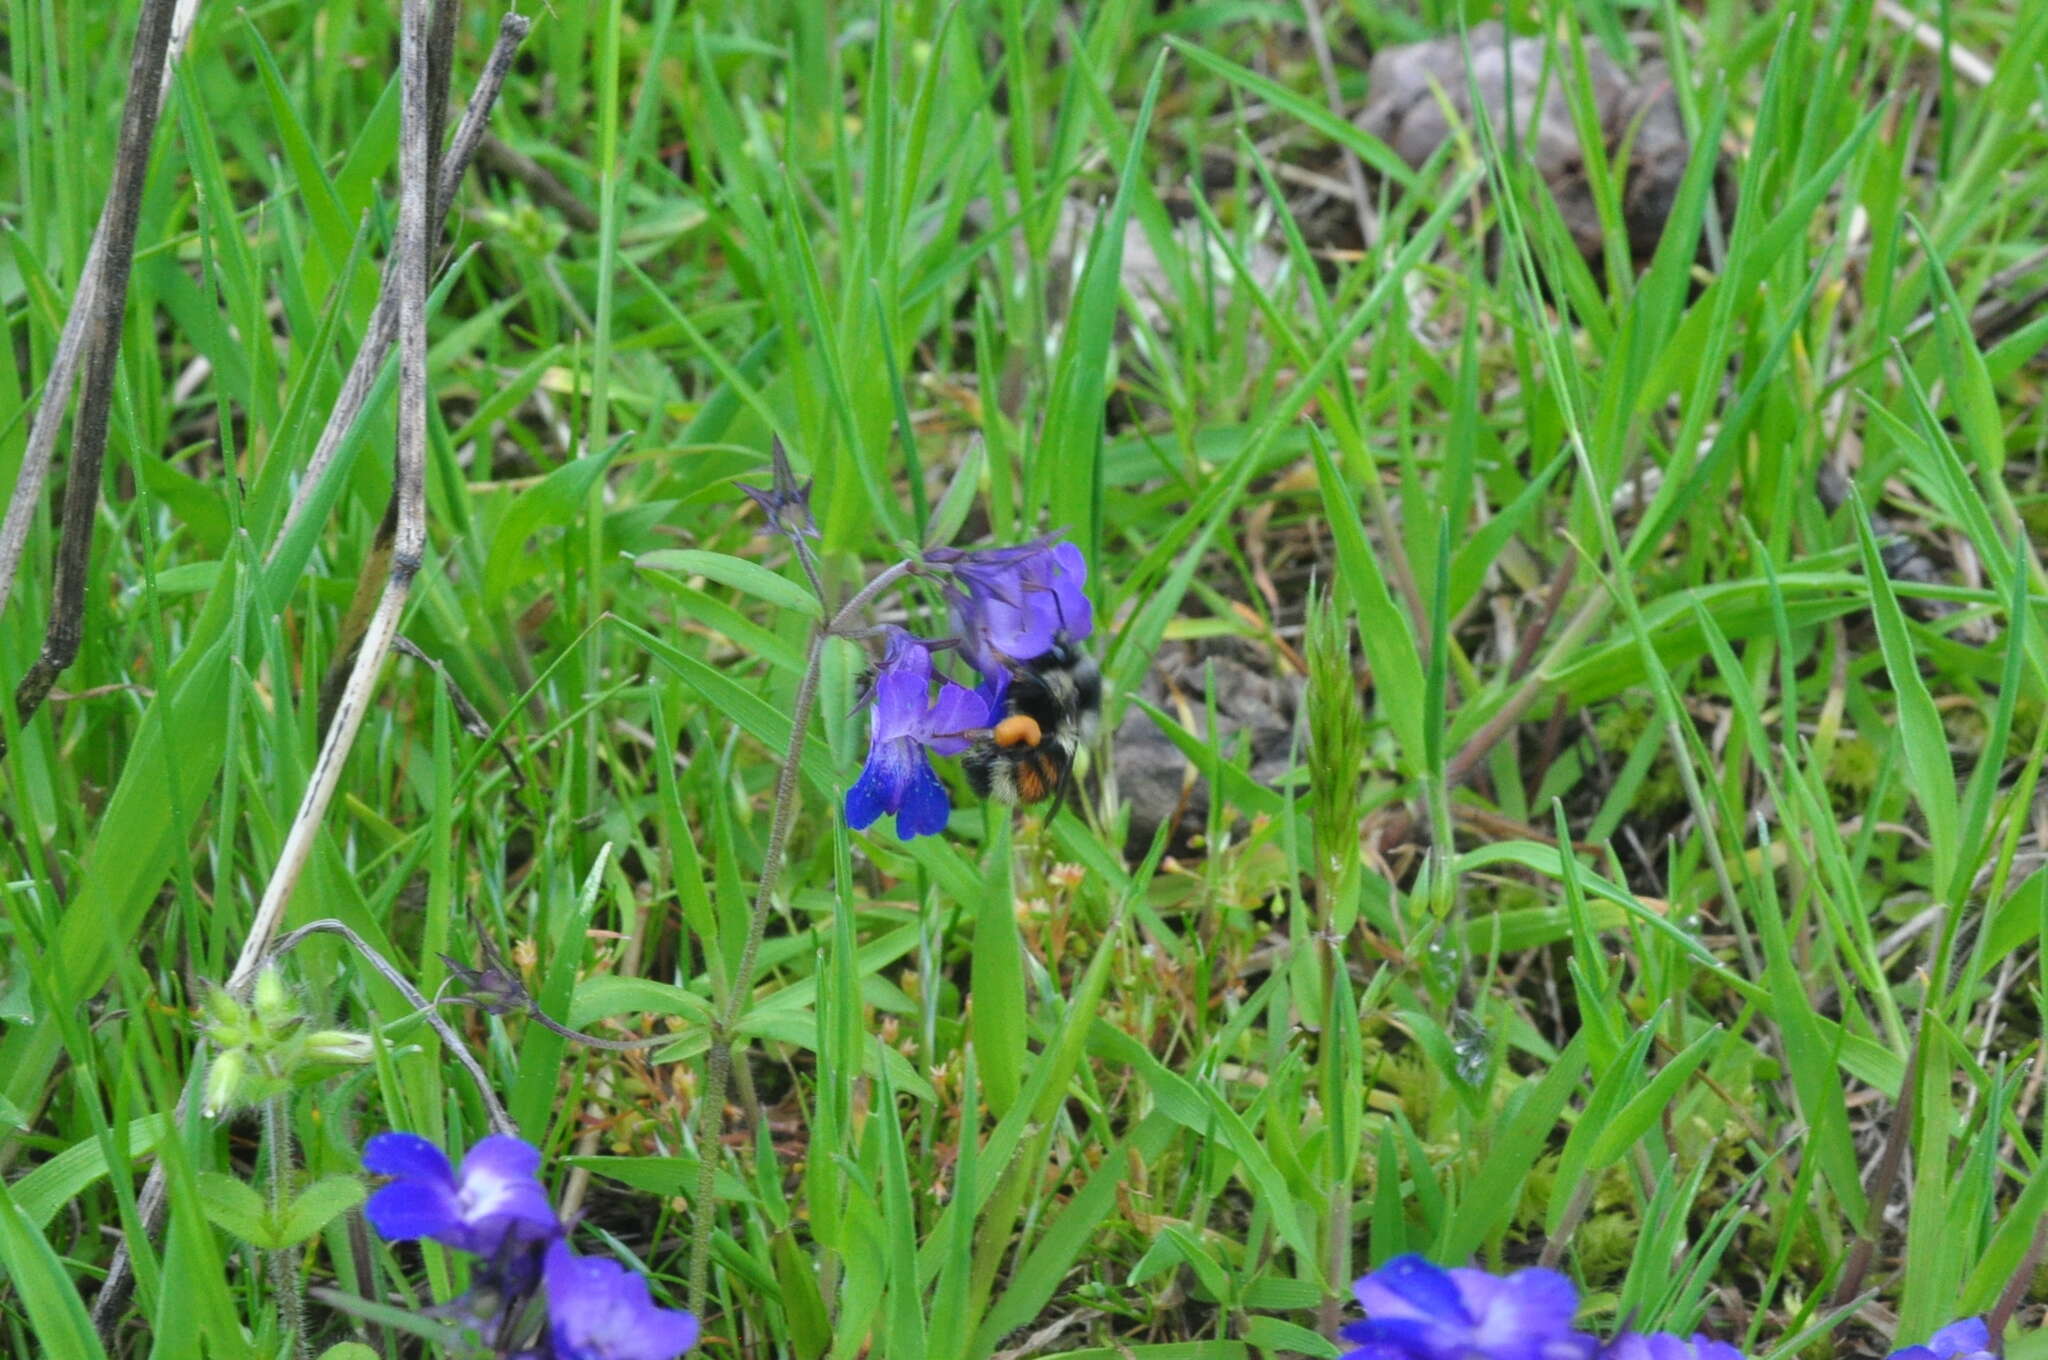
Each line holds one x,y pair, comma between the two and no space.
710,1112
284,1261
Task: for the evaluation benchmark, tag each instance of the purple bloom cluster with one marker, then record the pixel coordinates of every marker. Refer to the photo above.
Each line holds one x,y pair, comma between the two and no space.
495,1208
1009,605
1416,1310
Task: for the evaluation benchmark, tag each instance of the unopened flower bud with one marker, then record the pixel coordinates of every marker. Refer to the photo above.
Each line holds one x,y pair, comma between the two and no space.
223,1079
273,999
339,1046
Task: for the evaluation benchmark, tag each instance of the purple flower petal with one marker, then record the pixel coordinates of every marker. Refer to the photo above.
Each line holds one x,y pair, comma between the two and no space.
1961,1338
1076,615
1417,1310
408,1210
494,1199
1011,604
1968,1339
499,1190
924,808
902,702
957,710
406,1154
1529,1301
599,1310
1668,1346
1410,1287
882,781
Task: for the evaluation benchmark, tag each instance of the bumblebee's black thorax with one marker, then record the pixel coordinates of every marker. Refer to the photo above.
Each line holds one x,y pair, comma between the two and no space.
1061,694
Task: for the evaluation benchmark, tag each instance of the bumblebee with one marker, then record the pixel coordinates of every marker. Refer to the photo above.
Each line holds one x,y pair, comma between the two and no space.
1049,712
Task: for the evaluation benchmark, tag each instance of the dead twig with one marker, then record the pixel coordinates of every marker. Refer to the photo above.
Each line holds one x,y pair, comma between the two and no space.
49,418
1354,169
540,182
98,346
383,328
409,524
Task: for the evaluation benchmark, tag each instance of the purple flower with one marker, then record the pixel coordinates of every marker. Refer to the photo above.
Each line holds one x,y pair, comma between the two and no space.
1668,1346
1010,603
599,1310
908,722
495,1200
1965,1340
1419,1311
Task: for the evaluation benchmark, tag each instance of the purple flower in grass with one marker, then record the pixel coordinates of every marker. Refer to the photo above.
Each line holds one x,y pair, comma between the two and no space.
1415,1310
1965,1340
599,1310
908,723
494,1201
1011,603
1668,1346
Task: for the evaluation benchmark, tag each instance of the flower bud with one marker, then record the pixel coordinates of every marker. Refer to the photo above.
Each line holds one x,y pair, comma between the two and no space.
273,1000
339,1046
223,1079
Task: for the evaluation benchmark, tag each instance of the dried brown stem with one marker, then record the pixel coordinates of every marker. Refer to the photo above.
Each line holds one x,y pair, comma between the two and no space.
539,181
1883,1177
383,328
49,418
1354,169
99,349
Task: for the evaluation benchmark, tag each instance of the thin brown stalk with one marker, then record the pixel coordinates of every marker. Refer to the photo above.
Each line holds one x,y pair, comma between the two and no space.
382,331
49,418
539,181
409,265
1354,169
1883,1177
2016,1288
99,349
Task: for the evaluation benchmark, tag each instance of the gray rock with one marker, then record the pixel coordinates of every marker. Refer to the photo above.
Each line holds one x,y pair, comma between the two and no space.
1153,777
1416,87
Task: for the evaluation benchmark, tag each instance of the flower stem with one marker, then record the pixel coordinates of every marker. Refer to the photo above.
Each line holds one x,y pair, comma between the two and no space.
284,1267
710,1111
865,597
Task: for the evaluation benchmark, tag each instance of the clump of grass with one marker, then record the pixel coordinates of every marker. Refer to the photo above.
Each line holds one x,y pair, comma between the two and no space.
1468,982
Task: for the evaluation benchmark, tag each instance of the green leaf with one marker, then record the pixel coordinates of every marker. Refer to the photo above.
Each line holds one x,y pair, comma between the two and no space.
1523,1131
556,500
64,1177
55,1312
1070,443
1920,729
234,1207
318,1205
1383,631
1269,1333
608,994
996,978
1312,112
751,577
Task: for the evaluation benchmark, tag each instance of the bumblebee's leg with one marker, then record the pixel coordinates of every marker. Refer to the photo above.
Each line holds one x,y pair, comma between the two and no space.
1059,785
